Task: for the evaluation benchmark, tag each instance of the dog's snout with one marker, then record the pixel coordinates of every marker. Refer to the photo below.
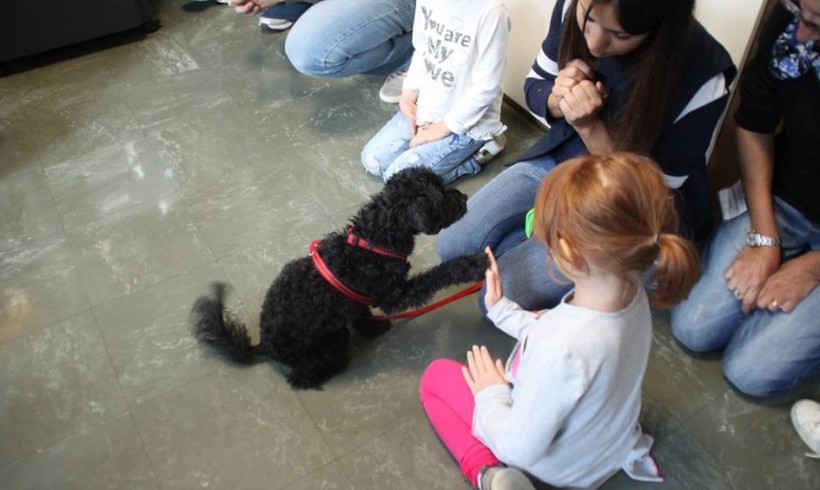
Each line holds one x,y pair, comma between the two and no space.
458,197
458,202
462,199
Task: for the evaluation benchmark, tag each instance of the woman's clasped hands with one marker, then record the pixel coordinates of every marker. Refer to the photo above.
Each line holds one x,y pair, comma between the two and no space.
578,97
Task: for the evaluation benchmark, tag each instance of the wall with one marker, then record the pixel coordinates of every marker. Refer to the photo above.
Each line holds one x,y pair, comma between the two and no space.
723,166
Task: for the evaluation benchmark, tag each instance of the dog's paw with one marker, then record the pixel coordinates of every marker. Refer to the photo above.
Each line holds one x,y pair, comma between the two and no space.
299,380
470,267
372,327
314,370
480,262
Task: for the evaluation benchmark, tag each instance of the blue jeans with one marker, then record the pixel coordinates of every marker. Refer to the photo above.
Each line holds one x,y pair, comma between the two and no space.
339,38
765,353
495,218
389,152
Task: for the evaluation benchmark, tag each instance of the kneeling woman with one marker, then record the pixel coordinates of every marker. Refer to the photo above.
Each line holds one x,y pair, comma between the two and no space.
634,75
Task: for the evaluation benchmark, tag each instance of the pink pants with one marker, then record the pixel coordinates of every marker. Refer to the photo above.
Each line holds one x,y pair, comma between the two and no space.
449,405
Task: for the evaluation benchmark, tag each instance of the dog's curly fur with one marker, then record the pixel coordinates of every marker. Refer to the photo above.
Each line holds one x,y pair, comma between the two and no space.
304,320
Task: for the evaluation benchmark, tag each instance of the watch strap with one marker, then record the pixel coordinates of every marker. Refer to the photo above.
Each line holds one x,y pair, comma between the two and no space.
755,239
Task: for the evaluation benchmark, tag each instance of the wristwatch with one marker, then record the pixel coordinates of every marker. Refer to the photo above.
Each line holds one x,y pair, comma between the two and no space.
755,239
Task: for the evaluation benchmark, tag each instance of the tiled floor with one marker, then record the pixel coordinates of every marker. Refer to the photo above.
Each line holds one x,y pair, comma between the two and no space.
132,177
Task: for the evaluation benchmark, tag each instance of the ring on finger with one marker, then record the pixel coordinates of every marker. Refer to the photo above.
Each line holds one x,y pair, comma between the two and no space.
738,294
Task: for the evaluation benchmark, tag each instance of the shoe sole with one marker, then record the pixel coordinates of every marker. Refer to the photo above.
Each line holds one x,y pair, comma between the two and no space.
388,99
490,150
279,26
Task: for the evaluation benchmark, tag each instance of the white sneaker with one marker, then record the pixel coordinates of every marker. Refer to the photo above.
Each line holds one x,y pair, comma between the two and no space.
274,24
503,478
490,149
391,88
806,420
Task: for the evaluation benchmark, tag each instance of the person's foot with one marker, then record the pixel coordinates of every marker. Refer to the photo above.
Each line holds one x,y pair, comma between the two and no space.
195,6
503,478
281,16
806,420
391,88
490,149
274,24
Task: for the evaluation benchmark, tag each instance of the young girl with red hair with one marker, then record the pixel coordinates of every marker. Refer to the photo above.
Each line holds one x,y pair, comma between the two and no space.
565,407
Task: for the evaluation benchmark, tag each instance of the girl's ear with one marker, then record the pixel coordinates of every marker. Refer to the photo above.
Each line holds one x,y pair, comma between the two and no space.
569,252
566,251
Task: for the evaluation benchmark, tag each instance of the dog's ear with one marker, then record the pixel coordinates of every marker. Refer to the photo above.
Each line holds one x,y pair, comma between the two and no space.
425,211
414,177
428,203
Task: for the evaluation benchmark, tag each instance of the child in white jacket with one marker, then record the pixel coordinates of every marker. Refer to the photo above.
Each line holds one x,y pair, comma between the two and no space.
451,99
565,407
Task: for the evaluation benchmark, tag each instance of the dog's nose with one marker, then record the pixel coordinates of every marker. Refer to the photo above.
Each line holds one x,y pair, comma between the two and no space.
458,196
459,204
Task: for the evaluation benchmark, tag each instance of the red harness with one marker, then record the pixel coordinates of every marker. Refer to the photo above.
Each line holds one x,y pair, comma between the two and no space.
325,271
331,278
357,241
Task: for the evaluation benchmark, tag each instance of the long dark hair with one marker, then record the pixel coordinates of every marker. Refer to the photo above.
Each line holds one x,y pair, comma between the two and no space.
659,63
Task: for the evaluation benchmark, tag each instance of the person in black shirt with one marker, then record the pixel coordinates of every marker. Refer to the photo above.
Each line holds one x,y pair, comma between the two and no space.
757,297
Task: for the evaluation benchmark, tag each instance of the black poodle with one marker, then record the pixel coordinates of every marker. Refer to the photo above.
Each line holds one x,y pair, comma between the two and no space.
305,317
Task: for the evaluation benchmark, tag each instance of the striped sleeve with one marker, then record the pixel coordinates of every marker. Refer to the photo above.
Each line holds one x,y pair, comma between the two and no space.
540,79
685,145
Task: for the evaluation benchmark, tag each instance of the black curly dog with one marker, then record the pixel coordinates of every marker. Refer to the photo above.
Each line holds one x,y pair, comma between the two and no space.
304,320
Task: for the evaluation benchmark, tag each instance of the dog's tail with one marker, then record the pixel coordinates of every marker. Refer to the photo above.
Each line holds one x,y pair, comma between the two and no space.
214,326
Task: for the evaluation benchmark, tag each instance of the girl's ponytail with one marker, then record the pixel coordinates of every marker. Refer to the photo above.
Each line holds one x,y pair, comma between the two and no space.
676,270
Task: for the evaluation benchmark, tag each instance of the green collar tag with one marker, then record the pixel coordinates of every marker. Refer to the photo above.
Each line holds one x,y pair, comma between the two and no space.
529,222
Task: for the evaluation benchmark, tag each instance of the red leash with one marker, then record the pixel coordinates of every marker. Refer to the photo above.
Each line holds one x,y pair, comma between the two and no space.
328,275
438,304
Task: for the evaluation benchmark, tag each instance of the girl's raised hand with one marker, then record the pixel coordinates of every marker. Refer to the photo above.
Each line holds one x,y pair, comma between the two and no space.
493,288
481,371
